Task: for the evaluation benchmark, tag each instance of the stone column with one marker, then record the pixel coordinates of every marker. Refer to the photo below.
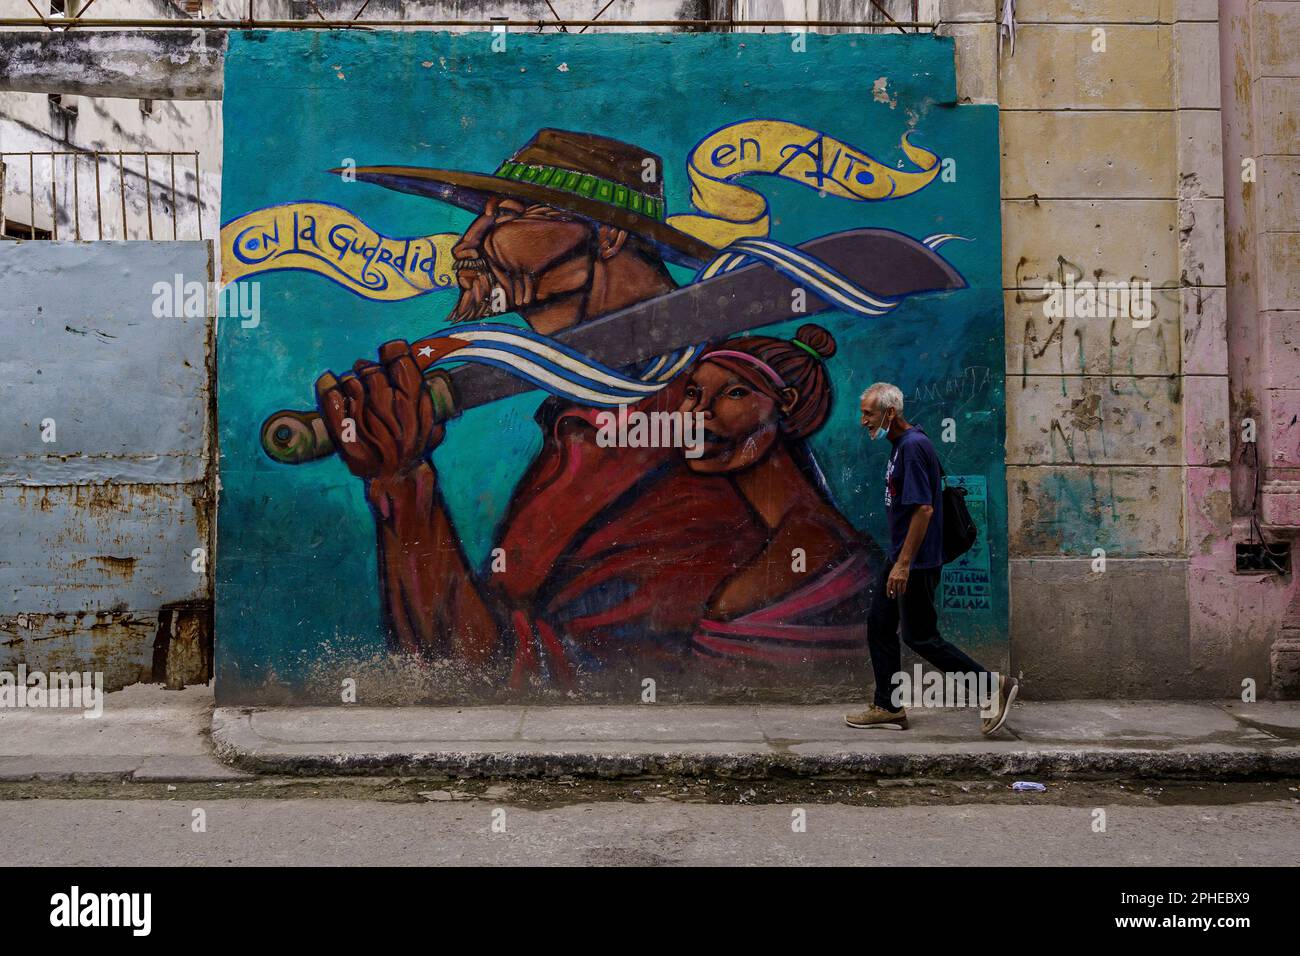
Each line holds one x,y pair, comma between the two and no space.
1261,100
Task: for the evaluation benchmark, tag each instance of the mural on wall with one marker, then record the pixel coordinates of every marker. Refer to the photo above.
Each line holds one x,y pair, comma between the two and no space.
584,404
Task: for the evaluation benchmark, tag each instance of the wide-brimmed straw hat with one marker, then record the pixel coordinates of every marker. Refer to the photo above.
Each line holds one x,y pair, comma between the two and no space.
599,178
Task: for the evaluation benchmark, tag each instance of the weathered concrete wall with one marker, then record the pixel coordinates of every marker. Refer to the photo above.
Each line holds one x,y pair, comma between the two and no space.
104,79
1118,435
105,462
1096,449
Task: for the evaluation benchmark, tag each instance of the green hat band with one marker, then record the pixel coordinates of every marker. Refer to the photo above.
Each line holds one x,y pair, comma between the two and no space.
585,185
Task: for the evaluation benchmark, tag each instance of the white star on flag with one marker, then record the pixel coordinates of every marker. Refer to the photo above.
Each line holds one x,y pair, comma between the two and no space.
426,351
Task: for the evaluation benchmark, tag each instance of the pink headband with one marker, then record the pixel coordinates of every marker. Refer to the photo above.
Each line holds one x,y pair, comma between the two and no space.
746,357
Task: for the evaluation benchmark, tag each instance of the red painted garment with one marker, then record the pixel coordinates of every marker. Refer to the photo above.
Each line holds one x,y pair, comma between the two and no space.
611,554
822,623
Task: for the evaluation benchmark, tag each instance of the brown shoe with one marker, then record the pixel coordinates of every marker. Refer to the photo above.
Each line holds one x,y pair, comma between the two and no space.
1008,687
878,717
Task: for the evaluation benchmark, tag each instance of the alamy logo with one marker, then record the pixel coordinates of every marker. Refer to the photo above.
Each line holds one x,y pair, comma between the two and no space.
56,690
75,908
651,430
1099,300
948,689
180,299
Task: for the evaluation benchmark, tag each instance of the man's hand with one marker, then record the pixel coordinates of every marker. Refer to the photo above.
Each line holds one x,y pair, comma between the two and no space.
896,584
380,415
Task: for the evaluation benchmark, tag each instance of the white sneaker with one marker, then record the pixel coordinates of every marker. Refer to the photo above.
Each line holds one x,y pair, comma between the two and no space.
1008,687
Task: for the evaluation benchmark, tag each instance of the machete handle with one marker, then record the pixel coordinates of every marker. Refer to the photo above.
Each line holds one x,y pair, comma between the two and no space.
294,438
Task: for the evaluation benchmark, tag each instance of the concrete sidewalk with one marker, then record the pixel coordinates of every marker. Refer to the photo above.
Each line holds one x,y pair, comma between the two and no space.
1148,738
147,733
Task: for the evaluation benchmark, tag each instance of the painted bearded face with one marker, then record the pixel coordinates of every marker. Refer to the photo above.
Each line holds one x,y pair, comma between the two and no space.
741,423
517,256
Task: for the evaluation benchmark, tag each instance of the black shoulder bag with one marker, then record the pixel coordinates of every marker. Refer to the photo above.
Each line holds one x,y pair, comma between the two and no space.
959,531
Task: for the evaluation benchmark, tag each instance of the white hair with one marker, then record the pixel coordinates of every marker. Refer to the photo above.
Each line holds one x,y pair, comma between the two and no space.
887,396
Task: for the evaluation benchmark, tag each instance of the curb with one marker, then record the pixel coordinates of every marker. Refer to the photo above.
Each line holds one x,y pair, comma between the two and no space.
238,745
220,773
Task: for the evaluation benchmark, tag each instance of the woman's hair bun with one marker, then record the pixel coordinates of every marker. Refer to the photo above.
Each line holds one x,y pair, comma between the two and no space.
817,339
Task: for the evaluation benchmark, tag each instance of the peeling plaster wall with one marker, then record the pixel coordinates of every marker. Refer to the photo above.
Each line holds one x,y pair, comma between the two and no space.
98,526
1112,173
60,194
1260,87
1118,437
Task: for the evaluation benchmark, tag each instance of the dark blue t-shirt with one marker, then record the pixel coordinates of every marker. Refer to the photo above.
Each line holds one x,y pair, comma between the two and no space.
911,479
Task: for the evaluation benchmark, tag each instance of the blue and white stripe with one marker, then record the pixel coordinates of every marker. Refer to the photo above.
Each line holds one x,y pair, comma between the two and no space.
556,367
935,241
803,269
665,368
563,371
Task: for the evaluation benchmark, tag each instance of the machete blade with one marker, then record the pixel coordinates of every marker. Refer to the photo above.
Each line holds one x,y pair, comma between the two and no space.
882,262
878,260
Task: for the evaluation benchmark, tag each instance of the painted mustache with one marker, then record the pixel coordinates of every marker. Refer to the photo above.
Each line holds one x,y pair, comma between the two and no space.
476,291
479,296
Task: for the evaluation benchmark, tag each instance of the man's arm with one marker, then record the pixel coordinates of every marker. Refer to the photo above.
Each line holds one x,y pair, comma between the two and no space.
896,585
431,601
380,418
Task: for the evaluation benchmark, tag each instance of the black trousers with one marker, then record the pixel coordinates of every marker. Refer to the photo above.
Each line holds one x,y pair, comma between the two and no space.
914,617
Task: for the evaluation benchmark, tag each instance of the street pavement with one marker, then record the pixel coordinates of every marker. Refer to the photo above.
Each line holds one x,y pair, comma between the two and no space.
143,785
345,832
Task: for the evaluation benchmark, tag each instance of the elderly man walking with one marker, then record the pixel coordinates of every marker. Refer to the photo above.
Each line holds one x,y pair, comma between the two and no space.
904,601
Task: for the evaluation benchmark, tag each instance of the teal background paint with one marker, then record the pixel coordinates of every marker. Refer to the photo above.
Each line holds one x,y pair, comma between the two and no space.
296,578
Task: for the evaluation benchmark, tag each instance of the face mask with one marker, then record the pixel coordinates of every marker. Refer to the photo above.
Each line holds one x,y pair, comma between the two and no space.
880,432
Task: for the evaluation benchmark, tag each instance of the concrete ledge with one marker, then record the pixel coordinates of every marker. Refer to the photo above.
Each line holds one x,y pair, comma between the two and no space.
145,734
1147,739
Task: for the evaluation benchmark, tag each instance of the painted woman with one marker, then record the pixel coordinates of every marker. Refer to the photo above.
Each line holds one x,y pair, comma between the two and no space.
800,600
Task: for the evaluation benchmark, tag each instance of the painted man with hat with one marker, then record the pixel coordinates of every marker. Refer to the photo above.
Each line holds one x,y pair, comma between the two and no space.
611,555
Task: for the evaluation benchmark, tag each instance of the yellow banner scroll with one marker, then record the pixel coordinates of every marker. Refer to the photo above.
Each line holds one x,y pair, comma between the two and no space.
730,211
330,241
